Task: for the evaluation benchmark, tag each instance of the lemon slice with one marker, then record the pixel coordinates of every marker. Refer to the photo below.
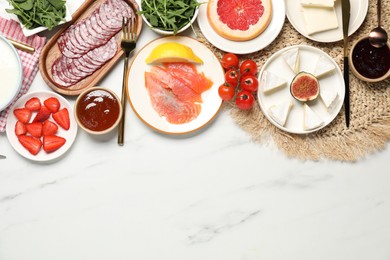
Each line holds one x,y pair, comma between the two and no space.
172,52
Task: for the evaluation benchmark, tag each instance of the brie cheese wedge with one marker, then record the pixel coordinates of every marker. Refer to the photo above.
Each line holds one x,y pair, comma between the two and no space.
270,82
292,59
280,112
310,119
329,98
323,66
318,3
319,19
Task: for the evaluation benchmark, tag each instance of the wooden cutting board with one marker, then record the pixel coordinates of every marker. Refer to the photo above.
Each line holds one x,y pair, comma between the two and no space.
51,51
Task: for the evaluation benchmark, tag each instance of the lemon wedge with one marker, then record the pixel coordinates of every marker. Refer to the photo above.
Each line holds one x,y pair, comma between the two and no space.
172,52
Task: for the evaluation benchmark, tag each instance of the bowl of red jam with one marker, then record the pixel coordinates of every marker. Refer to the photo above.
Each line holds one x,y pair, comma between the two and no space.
369,63
98,110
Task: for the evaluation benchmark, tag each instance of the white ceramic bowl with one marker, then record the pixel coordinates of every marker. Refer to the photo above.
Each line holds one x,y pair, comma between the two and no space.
11,73
163,32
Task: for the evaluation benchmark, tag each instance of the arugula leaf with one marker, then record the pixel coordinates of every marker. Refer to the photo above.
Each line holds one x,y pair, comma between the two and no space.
169,15
35,13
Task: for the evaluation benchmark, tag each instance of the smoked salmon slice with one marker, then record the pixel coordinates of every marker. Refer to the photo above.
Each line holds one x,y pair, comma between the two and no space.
180,87
188,72
167,104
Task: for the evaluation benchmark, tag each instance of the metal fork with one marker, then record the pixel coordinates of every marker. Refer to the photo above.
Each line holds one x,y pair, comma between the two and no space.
128,44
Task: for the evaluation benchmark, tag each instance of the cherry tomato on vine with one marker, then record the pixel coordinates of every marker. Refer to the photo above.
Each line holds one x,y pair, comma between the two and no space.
249,82
229,61
232,76
226,91
244,100
248,67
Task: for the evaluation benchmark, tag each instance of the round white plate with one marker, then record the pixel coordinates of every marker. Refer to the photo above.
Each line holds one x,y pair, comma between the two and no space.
139,96
69,135
245,47
358,14
308,58
11,73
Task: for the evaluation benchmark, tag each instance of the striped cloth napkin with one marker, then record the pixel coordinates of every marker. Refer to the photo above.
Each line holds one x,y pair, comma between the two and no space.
11,29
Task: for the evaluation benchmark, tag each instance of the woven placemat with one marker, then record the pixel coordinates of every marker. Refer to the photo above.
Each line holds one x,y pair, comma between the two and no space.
370,104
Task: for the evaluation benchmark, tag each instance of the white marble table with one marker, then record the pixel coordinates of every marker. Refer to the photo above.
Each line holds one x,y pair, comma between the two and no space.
212,195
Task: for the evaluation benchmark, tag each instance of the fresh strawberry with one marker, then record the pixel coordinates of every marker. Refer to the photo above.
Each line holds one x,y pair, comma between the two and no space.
31,143
33,104
62,118
23,115
49,128
35,129
20,128
52,143
42,115
52,104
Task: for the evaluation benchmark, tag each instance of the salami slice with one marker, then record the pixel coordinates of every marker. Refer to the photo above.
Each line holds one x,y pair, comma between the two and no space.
110,17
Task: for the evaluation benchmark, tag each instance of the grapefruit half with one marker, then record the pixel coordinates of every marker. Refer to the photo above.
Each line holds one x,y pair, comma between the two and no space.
239,20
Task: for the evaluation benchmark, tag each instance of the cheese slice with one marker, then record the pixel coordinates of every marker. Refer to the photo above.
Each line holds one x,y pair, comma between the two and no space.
330,98
270,82
310,119
323,66
280,112
318,3
292,59
319,19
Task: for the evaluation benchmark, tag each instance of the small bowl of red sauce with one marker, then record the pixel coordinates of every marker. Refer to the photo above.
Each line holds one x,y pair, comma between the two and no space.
369,63
98,110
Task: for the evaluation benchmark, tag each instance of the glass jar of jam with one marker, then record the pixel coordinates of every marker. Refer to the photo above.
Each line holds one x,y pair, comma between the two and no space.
98,110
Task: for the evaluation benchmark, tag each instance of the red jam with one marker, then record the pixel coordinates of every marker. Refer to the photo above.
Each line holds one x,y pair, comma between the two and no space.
369,61
97,110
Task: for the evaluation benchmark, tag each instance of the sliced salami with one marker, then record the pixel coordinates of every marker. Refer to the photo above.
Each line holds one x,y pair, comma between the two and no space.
93,33
104,52
88,44
82,65
60,74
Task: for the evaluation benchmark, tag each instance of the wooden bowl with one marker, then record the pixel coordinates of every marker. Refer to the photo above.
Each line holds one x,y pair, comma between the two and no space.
364,59
98,110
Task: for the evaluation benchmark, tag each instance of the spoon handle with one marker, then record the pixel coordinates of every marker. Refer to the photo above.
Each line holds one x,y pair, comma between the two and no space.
379,12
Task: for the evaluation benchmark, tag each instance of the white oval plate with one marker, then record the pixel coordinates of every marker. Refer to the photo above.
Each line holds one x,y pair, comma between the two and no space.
245,47
359,10
139,97
11,67
69,135
308,58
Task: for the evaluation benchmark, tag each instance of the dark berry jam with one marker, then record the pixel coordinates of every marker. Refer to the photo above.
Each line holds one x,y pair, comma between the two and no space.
369,61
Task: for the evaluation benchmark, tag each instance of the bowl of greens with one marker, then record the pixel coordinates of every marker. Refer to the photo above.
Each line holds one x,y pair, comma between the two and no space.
169,17
39,15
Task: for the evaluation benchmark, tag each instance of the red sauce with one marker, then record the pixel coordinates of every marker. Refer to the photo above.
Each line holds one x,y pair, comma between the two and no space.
97,110
369,61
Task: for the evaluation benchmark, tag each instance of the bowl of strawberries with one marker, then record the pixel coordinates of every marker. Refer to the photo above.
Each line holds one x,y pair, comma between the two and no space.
41,126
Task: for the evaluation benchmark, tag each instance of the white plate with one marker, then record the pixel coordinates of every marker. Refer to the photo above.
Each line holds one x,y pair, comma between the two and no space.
139,96
308,58
69,135
245,47
11,73
358,14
